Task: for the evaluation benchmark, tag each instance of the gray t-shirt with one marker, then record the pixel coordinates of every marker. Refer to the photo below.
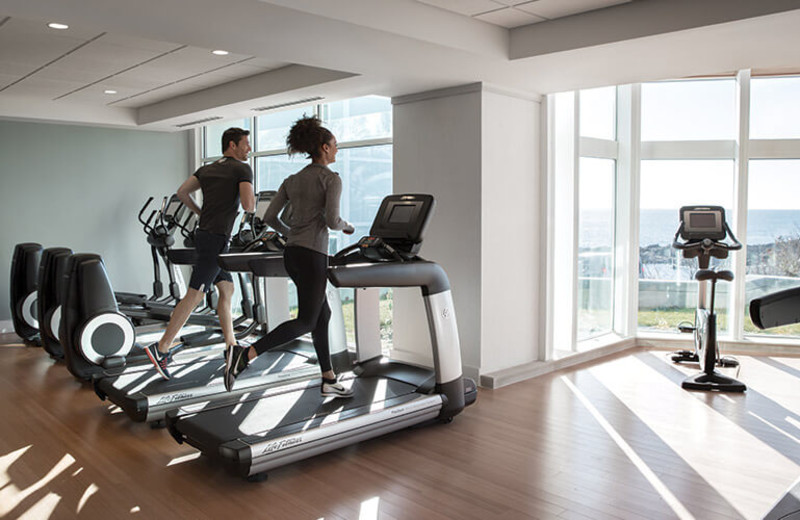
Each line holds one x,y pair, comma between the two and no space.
313,194
220,184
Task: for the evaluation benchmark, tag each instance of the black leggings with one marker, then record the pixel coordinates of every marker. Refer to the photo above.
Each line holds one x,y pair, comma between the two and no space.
309,272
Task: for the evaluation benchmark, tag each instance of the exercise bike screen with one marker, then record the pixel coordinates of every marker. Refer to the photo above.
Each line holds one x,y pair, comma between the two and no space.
703,220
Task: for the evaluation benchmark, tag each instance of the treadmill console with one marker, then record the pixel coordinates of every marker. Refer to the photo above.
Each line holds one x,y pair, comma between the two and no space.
396,233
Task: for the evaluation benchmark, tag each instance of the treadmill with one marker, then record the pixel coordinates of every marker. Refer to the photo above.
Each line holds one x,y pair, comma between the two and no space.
145,396
262,431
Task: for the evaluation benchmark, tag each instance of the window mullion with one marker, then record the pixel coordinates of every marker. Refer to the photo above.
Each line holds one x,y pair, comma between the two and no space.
742,163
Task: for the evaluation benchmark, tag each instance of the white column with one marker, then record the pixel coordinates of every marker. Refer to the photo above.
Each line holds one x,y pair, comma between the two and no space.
476,149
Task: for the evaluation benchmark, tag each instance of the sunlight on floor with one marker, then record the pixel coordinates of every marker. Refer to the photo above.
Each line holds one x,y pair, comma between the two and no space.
91,490
369,509
43,508
184,458
11,496
704,431
643,468
779,430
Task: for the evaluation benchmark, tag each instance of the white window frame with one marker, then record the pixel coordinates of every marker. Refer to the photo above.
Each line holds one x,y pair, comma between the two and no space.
565,147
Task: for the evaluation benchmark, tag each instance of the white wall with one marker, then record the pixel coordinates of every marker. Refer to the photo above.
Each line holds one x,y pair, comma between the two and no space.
81,187
477,151
510,232
437,150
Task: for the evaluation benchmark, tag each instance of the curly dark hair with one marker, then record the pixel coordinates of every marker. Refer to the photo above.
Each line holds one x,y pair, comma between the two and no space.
307,135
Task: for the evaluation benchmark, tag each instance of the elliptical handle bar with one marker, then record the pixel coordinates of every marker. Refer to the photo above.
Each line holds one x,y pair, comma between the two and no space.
141,212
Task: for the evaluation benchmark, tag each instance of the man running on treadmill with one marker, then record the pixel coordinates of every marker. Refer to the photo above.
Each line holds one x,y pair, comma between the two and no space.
224,184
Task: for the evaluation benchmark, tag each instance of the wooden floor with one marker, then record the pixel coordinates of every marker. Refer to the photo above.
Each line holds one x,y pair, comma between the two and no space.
612,439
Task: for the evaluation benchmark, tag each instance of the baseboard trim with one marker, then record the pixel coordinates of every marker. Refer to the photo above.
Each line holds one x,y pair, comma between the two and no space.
505,377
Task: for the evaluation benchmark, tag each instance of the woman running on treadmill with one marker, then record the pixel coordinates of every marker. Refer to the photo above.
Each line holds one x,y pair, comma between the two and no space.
313,194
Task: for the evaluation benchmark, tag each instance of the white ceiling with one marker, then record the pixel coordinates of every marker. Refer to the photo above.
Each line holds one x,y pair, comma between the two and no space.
156,54
515,13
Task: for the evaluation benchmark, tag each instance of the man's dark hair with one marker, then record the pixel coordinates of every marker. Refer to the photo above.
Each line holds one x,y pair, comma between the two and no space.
232,134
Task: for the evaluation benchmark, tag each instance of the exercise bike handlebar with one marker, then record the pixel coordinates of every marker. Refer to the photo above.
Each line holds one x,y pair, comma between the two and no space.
707,243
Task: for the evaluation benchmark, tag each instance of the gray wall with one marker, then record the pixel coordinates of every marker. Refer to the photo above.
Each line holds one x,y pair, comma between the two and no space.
81,187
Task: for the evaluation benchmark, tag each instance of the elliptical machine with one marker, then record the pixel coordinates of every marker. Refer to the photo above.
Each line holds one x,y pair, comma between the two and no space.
702,234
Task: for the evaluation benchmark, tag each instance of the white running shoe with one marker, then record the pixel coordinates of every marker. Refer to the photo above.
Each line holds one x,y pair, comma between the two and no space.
336,390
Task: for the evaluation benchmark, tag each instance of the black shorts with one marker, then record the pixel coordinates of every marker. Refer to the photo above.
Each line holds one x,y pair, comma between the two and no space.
207,271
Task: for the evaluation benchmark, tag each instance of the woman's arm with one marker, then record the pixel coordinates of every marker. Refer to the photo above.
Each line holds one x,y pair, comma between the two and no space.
274,209
332,201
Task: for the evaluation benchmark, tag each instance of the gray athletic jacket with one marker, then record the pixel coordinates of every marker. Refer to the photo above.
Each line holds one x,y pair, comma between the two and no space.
313,196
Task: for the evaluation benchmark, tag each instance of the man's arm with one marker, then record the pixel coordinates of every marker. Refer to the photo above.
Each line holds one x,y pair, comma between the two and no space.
247,197
189,186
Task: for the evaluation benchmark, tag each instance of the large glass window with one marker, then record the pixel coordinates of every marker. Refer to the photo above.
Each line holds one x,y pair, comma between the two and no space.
775,108
667,289
598,113
212,136
360,118
773,234
689,110
595,247
273,169
273,127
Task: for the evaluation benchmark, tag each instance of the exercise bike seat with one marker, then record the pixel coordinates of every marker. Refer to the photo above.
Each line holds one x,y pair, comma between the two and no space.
710,274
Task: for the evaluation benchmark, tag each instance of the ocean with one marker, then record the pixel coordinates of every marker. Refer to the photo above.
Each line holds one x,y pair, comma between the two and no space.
658,226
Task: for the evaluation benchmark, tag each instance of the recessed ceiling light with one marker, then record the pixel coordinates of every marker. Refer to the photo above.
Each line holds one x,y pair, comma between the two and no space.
109,91
58,26
220,52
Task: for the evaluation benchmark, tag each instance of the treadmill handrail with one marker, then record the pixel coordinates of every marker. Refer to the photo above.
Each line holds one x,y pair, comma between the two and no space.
429,276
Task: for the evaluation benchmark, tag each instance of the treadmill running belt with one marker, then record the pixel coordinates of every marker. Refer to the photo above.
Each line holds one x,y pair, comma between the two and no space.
253,420
146,396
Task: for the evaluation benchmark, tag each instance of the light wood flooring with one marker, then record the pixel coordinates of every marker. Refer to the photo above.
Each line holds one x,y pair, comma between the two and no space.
617,438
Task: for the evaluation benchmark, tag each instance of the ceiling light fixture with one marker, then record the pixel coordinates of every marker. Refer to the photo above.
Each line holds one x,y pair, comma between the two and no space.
220,52
109,91
59,26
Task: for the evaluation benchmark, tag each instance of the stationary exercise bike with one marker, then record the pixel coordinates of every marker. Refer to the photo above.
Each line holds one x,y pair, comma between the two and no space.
702,234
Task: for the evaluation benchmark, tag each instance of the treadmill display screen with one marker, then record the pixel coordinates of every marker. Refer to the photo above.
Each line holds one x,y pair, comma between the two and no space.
401,213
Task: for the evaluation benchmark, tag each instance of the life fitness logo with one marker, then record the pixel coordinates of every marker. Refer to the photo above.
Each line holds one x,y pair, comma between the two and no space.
281,445
445,313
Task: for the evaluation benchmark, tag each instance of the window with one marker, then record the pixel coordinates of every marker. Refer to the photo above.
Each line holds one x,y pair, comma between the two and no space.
360,119
773,234
272,169
598,113
272,128
613,176
212,136
595,246
775,108
667,289
689,110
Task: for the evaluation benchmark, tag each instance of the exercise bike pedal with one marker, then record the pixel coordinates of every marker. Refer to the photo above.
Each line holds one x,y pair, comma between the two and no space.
685,355
728,362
